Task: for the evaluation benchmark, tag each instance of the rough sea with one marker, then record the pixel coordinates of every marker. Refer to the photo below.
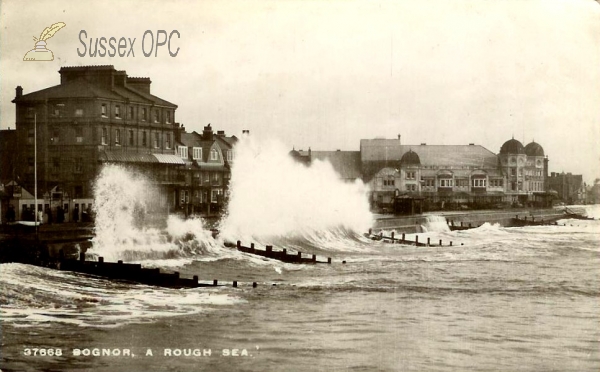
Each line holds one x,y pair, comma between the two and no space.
499,299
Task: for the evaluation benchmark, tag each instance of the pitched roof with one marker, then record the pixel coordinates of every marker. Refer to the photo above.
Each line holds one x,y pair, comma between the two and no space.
80,88
346,163
459,156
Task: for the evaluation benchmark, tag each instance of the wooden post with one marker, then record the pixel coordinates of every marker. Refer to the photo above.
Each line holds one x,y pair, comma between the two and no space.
235,284
299,256
81,256
428,241
196,279
393,235
120,262
215,282
416,239
451,243
284,252
402,236
370,231
253,284
329,260
314,258
470,225
252,247
100,259
176,274
461,224
239,244
440,242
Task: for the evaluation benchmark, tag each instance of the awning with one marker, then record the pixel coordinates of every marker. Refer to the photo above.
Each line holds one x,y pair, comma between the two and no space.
169,159
209,166
126,157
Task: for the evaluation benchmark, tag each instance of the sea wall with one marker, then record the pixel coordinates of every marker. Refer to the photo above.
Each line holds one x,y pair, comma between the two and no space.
418,224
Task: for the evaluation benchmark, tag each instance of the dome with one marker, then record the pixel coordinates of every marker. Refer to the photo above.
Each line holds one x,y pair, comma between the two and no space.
512,146
534,149
410,158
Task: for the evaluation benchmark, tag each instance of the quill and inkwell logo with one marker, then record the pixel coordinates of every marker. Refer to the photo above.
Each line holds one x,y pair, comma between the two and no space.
40,52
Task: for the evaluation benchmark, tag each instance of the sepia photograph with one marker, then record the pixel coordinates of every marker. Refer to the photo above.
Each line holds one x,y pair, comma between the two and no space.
288,185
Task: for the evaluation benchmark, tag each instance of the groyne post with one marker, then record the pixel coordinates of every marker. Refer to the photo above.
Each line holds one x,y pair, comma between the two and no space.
100,259
195,279
403,236
428,241
440,242
329,260
253,284
392,236
417,240
239,244
235,284
252,247
451,243
215,282
120,262
299,256
82,256
314,258
269,251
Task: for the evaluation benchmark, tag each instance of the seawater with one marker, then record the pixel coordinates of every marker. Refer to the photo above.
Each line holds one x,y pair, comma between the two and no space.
499,299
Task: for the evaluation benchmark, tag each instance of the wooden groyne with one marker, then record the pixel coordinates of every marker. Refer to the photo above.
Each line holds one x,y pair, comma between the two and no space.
133,273
404,241
282,255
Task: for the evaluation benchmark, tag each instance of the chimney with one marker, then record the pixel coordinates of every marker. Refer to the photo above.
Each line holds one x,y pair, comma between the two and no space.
423,144
221,133
178,129
471,144
399,139
207,133
19,90
141,84
246,132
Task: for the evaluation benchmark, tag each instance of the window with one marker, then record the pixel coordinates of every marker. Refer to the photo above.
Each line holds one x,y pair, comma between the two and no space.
79,112
103,112
130,137
197,155
30,165
183,152
214,155
411,187
520,184
168,141
520,171
30,136
144,139
389,182
104,136
184,196
462,182
446,182
479,182
78,165
168,117
156,116
214,195
118,112
156,135
56,112
229,155
429,182
131,112
117,137
496,183
410,175
78,135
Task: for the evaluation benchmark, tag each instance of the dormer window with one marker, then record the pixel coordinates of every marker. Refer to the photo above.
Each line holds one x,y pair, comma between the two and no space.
183,152
214,155
197,155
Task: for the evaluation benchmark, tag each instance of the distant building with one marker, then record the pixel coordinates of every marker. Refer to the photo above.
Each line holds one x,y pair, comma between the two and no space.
442,176
570,187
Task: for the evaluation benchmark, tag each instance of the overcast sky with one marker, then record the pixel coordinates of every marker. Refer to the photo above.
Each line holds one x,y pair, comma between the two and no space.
326,74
